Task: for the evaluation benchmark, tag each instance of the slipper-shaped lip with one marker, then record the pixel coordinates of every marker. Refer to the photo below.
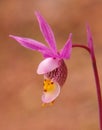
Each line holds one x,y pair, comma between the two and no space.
48,65
48,97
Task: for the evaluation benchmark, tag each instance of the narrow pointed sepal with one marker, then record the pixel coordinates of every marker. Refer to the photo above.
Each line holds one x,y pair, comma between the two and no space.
33,45
66,50
46,31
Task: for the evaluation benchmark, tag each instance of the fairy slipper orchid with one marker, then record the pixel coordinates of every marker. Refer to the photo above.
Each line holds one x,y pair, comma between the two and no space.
53,66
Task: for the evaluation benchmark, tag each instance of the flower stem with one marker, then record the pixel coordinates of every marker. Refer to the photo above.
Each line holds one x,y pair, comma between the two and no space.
98,87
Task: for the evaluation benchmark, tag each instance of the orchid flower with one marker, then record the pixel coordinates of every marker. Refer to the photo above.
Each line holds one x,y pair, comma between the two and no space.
53,66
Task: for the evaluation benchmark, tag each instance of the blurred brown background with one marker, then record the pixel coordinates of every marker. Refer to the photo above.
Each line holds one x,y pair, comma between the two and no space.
20,86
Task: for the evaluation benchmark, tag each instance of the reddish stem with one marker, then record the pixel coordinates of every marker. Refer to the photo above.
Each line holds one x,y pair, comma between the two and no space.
98,87
82,46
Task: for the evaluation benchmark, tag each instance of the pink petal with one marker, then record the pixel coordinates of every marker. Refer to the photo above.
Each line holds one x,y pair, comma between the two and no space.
48,97
33,45
46,31
47,65
66,50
